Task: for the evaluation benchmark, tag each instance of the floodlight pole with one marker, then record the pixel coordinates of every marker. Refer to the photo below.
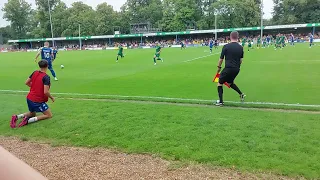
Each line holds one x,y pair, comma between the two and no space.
215,25
1,38
261,20
51,23
80,37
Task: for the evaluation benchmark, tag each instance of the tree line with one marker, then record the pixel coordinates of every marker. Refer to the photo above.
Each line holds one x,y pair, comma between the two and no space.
168,15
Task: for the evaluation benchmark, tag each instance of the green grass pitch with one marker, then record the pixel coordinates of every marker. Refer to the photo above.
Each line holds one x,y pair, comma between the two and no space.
287,76
283,142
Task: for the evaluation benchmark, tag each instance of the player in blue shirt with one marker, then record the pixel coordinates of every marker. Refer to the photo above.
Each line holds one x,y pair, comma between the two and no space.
268,40
292,39
47,54
211,45
55,52
311,39
183,46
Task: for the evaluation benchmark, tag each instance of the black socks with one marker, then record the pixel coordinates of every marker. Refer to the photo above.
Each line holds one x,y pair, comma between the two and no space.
220,92
235,87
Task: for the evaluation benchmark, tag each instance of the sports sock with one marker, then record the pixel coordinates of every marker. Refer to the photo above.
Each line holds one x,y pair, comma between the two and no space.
34,119
154,60
235,87
20,116
220,92
117,58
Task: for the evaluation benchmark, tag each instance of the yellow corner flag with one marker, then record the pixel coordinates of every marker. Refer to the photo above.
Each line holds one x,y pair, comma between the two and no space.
216,80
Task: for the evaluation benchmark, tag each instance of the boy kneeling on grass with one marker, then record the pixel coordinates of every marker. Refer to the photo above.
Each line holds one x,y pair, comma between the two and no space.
39,83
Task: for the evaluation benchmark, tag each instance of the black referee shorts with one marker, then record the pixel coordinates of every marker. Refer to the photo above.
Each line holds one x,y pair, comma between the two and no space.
228,75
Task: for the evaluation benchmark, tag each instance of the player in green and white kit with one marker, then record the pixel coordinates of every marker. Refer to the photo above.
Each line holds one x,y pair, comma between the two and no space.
157,55
259,42
120,52
271,40
283,41
278,42
249,44
243,41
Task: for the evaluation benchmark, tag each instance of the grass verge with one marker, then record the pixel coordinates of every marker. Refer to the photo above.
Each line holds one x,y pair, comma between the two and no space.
283,143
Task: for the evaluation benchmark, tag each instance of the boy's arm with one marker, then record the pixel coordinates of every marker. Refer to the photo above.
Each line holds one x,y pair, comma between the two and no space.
46,83
28,81
47,92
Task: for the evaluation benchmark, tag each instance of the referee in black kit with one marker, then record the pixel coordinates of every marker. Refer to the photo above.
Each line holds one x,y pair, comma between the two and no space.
233,54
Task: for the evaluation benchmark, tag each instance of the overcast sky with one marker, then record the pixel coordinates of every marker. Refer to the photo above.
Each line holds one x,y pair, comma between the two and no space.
268,5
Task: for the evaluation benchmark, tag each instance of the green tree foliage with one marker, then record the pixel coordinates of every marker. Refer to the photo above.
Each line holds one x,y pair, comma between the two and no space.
170,15
123,20
18,13
234,13
296,11
208,15
142,11
83,15
42,17
181,14
5,34
106,19
59,18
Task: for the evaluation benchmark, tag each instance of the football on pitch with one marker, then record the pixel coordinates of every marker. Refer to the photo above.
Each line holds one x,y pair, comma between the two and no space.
62,66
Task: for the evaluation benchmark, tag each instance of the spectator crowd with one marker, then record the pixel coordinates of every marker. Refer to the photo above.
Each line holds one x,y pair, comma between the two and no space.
197,40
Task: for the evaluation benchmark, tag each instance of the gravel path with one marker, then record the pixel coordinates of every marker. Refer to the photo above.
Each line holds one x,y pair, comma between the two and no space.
101,164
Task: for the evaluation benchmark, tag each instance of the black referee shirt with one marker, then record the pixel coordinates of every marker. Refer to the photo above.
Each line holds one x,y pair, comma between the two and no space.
232,53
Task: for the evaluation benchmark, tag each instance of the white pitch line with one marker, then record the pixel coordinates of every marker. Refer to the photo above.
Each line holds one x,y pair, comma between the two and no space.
200,57
168,98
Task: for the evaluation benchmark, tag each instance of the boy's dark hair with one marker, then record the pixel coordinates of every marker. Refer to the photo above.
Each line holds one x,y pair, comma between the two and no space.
43,64
234,35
